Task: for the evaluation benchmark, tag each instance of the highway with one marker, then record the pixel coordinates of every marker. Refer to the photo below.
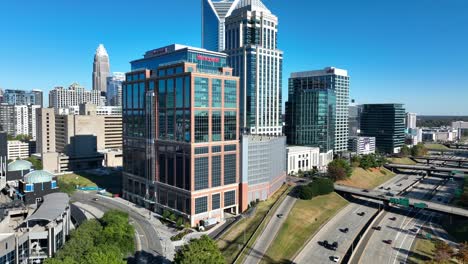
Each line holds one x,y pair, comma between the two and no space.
347,218
262,243
151,247
401,225
427,168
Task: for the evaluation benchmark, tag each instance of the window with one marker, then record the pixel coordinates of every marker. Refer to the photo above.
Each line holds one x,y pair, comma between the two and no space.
53,185
216,171
216,126
170,71
216,149
229,198
170,93
216,93
230,148
230,94
29,188
179,70
203,150
230,125
151,85
201,92
201,205
161,73
230,169
187,91
215,201
179,92
201,173
162,93
201,126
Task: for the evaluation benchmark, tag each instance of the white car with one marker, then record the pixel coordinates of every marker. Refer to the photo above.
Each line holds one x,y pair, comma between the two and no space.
335,259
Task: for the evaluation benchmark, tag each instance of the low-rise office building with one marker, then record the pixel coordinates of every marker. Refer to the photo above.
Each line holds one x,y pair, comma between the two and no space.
361,145
18,150
439,135
300,158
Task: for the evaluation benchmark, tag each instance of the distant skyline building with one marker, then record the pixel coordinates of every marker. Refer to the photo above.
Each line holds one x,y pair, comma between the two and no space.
411,119
385,122
18,119
22,97
310,114
114,89
337,80
214,13
252,46
101,69
354,119
75,95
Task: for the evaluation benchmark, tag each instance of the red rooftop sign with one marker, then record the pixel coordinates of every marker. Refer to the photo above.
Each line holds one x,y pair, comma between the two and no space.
205,58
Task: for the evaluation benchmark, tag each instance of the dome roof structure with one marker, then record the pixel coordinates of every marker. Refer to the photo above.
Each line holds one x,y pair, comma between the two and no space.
19,165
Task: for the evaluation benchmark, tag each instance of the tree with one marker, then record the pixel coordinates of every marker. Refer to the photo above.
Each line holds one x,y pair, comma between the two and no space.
166,214
419,150
37,164
462,254
320,186
180,222
199,251
304,192
336,173
405,151
355,161
443,252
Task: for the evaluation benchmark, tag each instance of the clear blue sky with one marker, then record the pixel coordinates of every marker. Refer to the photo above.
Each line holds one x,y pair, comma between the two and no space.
409,51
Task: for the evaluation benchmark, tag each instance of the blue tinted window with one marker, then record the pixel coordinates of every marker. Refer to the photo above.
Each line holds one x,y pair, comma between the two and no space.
170,71
162,93
179,93
142,76
230,94
216,126
216,93
179,69
135,95
201,173
216,171
230,169
29,188
215,201
201,92
201,205
162,73
170,93
187,91
151,85
230,148
203,150
229,198
201,126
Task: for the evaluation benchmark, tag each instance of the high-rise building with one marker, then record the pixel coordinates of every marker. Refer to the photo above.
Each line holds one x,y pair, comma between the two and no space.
385,122
101,69
181,137
21,97
18,119
252,46
114,89
411,119
310,114
354,119
336,80
214,13
75,95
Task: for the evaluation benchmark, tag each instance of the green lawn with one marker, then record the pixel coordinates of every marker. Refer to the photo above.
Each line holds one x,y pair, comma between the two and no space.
403,161
368,179
112,182
232,241
436,147
302,222
423,251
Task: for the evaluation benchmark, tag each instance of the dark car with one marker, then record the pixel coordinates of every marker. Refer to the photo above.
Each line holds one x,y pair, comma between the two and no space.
344,230
388,188
378,228
279,215
399,185
361,213
95,199
389,241
366,191
381,187
392,218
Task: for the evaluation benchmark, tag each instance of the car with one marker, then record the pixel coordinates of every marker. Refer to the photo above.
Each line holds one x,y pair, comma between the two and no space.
433,167
335,245
388,188
344,230
399,185
378,228
335,259
95,199
388,241
366,191
361,213
415,230
390,194
280,215
439,199
392,218
381,187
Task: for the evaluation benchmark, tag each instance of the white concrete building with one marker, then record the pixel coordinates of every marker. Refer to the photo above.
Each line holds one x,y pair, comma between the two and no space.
17,150
301,158
75,95
440,135
410,120
361,145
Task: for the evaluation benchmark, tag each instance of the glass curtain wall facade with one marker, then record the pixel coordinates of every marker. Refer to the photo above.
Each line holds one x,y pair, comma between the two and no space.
252,46
214,13
192,156
385,122
310,114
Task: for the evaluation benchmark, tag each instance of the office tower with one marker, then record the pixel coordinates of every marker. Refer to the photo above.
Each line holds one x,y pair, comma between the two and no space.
101,69
181,137
214,13
310,113
21,97
385,122
251,43
75,95
114,89
1,95
7,119
354,119
336,80
18,119
411,119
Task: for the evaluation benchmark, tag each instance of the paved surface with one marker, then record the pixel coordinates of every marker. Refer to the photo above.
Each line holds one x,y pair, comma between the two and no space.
148,238
426,168
262,243
347,218
401,225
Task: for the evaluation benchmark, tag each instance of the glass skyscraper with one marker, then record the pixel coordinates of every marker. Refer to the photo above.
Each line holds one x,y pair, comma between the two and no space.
252,46
181,136
310,113
214,13
336,80
385,122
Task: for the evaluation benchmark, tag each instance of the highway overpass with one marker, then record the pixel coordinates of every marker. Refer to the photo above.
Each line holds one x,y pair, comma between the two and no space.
376,195
460,161
429,169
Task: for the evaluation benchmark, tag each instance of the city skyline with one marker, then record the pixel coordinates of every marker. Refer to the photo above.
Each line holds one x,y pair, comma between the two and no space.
394,59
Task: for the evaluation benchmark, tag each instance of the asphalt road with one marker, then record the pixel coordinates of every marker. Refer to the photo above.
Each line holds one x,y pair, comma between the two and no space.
257,252
400,225
151,247
347,218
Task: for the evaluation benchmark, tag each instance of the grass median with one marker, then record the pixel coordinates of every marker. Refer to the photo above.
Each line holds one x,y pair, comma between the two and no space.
402,161
368,179
436,147
302,222
231,242
423,251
